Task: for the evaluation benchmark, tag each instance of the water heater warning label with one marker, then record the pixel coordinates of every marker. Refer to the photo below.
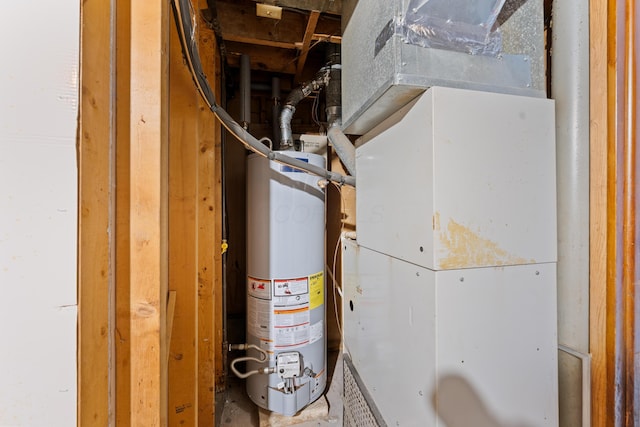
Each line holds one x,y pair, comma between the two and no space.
289,287
259,318
292,326
259,288
316,289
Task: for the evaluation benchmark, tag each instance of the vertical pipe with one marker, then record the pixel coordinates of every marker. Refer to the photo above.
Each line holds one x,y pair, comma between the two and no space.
570,89
275,108
245,91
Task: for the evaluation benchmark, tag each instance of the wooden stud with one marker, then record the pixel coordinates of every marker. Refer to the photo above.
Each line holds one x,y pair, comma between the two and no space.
340,217
122,337
148,220
306,42
598,209
629,292
95,150
171,311
183,174
209,221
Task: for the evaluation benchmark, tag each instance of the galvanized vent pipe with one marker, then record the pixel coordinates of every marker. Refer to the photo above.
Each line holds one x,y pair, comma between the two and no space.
344,148
295,96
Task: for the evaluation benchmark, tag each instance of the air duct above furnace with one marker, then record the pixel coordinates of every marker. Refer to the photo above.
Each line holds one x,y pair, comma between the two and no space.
394,50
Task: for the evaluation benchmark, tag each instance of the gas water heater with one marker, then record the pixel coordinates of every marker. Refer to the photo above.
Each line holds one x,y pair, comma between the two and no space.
286,345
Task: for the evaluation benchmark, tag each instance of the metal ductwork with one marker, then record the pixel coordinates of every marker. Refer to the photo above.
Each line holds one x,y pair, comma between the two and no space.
297,95
343,146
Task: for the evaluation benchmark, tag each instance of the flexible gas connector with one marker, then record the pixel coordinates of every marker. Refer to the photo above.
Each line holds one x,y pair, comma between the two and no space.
263,358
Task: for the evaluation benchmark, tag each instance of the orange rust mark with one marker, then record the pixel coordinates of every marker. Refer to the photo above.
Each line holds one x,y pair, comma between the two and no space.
435,220
465,248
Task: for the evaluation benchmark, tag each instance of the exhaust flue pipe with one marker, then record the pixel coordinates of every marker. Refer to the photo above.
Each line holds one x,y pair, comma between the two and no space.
297,95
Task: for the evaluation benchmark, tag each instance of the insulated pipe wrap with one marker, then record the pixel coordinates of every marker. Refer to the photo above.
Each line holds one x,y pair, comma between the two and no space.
295,96
344,148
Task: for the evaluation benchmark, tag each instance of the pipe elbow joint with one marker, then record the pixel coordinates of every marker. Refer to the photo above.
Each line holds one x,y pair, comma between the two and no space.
286,138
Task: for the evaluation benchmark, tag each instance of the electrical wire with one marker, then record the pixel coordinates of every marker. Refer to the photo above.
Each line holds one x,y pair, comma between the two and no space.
314,112
335,286
186,26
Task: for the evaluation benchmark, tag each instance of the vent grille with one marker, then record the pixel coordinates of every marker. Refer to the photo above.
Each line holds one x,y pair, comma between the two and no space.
359,410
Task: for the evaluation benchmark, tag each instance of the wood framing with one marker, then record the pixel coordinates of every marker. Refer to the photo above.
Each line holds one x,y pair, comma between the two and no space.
306,42
122,230
150,222
240,23
598,208
341,217
613,333
262,57
95,280
629,292
148,215
211,351
183,175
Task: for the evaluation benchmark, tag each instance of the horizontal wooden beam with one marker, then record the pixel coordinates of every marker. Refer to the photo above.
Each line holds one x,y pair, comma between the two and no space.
329,6
263,58
239,23
260,42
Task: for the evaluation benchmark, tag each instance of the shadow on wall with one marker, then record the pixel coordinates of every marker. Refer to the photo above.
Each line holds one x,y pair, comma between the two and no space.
458,404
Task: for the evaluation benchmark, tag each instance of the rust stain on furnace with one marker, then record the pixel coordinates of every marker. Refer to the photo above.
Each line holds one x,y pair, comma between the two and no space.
465,248
435,221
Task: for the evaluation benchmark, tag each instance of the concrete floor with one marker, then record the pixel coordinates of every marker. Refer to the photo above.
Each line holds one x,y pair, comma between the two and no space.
237,410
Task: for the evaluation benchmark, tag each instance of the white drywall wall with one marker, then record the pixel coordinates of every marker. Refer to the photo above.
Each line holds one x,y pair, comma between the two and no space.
39,41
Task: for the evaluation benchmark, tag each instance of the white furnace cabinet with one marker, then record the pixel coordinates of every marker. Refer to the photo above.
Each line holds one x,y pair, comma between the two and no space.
460,179
472,347
450,290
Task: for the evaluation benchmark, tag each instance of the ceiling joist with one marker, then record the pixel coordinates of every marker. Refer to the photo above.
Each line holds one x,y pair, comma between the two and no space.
325,6
274,44
306,42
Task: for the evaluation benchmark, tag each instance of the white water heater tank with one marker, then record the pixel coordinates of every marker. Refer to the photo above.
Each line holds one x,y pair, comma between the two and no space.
285,283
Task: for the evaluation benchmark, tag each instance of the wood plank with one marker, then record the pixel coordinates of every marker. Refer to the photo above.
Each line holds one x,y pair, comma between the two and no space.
263,58
95,284
148,221
183,154
260,42
598,209
306,43
171,311
615,58
629,293
239,21
208,223
332,6
122,229
218,311
328,38
611,213
341,217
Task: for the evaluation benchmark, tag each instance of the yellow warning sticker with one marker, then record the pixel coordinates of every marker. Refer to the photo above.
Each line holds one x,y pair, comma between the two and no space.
316,290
